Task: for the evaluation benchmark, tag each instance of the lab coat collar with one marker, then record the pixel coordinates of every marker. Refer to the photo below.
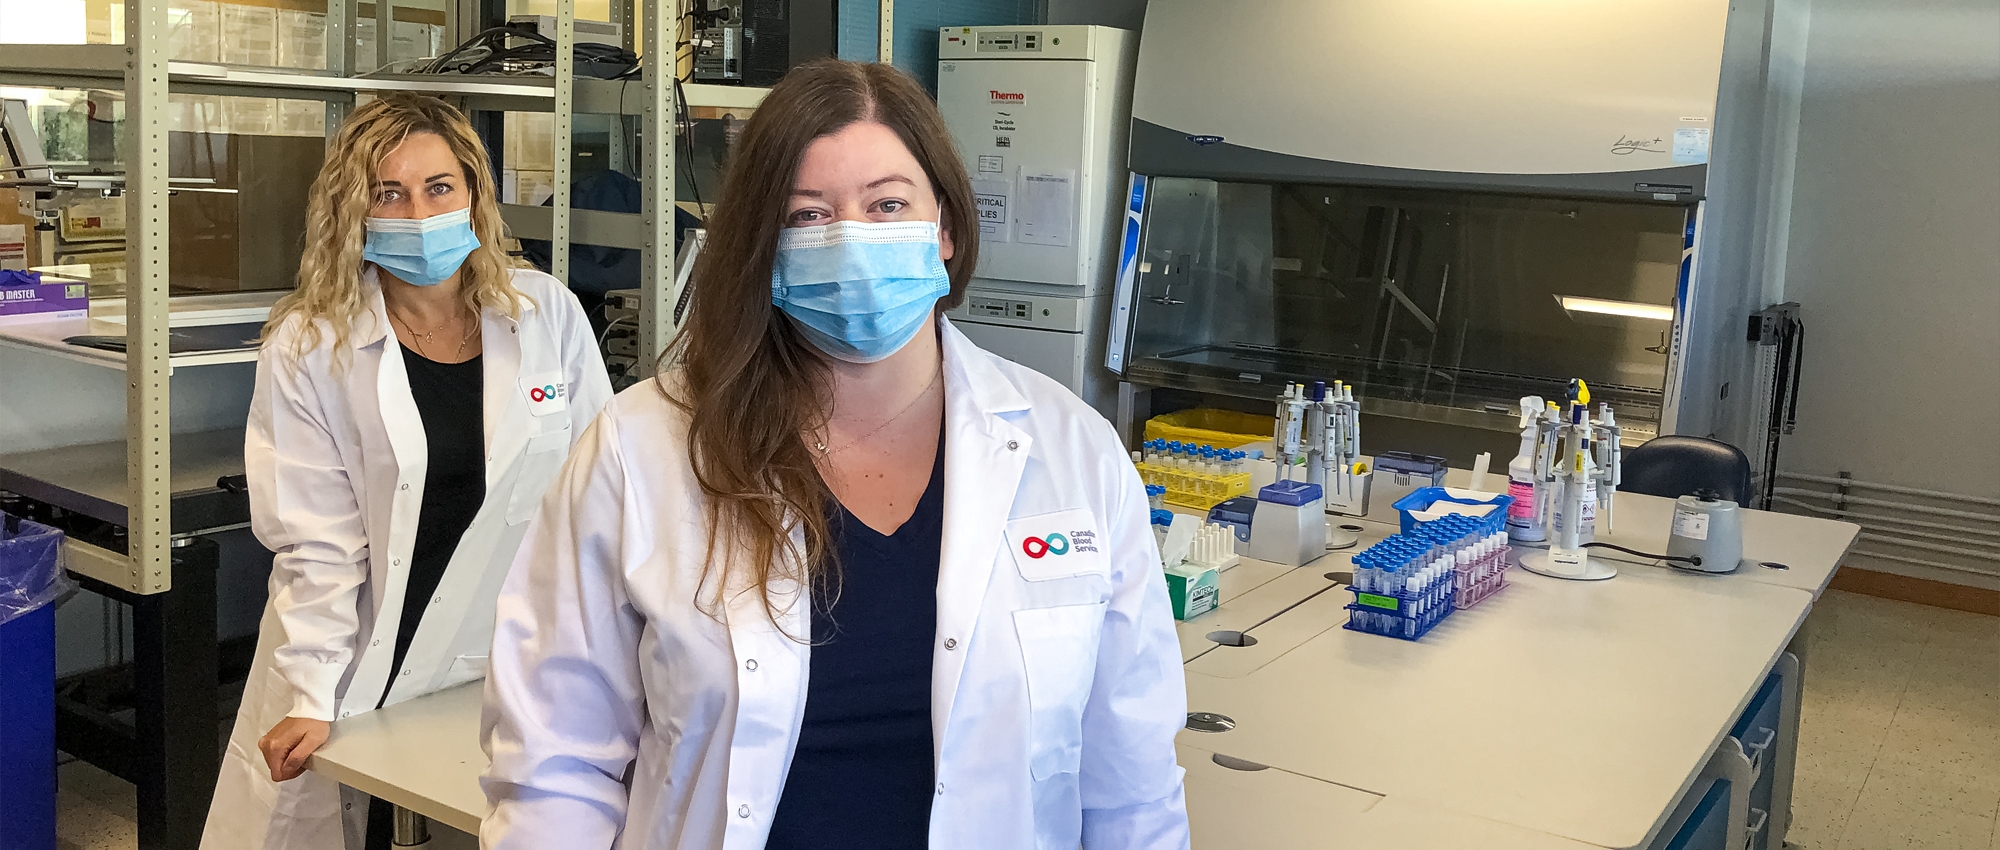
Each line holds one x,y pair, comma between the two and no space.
501,371
984,456
372,326
501,359
980,381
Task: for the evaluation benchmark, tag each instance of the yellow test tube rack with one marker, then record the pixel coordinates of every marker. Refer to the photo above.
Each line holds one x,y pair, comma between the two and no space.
1192,489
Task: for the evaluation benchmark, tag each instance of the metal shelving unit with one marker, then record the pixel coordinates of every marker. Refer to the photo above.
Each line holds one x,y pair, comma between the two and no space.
169,751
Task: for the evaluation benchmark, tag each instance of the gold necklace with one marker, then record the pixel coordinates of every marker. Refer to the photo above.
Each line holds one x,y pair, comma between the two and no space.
820,445
418,340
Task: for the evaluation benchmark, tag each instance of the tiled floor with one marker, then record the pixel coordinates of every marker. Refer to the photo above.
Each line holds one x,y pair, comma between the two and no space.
1899,741
1899,735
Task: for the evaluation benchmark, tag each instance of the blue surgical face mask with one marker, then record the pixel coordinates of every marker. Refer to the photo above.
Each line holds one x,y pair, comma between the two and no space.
860,290
422,251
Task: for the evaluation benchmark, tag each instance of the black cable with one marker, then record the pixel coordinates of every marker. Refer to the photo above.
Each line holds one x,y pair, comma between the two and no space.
483,38
1690,560
592,57
685,131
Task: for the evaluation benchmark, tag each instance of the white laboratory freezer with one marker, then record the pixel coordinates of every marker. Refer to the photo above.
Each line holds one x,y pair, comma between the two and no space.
1040,115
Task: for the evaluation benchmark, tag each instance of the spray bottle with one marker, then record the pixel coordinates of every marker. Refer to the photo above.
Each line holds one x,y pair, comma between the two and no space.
1524,516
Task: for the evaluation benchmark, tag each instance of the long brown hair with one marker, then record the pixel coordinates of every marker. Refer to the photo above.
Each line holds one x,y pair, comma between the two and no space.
329,282
749,382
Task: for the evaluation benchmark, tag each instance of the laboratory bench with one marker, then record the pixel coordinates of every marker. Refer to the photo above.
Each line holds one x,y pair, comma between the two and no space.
168,746
203,329
1655,710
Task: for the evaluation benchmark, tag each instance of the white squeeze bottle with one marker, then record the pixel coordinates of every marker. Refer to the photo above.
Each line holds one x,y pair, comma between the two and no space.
1524,519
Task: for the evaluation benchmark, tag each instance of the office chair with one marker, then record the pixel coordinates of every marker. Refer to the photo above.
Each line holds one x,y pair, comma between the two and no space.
1674,466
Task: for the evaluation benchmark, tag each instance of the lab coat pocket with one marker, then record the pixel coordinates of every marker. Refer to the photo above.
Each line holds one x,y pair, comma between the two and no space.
540,462
1059,651
465,668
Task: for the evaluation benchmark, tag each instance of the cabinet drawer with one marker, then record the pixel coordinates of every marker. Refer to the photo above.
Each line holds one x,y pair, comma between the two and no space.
1707,826
1757,731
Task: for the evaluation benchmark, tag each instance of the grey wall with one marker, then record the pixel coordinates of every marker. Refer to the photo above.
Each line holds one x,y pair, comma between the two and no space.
1895,251
1123,14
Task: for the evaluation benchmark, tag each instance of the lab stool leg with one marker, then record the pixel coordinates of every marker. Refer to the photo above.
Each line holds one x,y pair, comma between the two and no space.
410,829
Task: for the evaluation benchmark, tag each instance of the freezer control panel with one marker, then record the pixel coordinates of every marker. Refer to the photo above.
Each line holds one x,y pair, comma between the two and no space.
1007,308
1009,41
998,308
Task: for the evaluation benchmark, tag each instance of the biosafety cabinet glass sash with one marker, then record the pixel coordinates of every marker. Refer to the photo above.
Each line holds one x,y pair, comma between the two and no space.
1445,306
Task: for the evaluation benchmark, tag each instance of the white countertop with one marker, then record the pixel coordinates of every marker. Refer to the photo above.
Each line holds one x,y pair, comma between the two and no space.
1810,548
91,479
46,335
422,755
1555,715
1274,809
1581,709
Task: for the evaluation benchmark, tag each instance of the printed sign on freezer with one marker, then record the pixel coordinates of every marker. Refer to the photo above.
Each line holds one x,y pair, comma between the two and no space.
989,198
1046,208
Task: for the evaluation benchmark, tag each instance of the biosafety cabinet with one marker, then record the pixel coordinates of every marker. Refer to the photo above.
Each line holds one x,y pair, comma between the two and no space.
1456,203
1040,116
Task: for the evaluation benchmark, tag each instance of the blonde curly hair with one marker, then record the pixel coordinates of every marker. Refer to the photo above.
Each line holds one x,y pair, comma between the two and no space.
330,295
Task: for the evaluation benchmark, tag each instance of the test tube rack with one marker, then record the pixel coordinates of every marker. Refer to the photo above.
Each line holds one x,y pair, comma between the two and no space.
1407,584
1198,477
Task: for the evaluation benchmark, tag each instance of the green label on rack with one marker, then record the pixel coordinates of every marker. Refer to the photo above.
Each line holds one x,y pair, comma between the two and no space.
1386,603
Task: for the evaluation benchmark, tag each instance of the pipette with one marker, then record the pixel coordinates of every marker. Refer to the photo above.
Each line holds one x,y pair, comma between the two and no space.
1609,458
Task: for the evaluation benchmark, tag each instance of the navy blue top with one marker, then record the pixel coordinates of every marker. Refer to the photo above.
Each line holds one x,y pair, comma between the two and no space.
862,775
450,401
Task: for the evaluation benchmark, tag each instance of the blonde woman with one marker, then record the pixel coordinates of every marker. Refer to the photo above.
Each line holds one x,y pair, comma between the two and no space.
415,396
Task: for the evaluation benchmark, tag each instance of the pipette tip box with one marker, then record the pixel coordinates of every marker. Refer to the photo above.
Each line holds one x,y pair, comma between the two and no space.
1424,499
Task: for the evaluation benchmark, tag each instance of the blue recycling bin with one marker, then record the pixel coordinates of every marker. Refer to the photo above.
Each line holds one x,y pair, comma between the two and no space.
31,579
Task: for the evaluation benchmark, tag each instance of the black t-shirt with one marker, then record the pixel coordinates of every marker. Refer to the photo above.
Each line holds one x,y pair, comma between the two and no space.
862,775
451,400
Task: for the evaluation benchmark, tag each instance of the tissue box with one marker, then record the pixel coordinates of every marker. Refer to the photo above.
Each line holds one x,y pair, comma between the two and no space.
1195,591
26,295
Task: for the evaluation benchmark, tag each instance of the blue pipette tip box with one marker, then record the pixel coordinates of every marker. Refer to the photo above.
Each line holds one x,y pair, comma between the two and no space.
1294,493
1423,498
1235,512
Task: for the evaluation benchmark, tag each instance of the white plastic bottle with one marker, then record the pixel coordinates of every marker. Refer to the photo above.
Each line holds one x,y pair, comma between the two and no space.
1524,519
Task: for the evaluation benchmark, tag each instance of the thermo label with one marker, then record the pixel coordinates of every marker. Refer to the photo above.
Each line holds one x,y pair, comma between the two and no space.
1692,525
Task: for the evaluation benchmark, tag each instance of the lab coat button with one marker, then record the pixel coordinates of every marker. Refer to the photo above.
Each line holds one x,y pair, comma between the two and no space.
437,600
375,643
940,789
750,665
1013,445
406,487
743,811
951,643
407,671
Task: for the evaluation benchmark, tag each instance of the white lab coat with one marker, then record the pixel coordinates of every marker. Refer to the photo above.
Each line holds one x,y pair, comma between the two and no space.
1056,681
336,460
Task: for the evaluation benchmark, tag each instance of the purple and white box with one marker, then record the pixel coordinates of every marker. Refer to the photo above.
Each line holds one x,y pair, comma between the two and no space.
27,296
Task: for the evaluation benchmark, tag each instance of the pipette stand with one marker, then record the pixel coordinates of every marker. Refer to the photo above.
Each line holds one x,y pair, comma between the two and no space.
1543,562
